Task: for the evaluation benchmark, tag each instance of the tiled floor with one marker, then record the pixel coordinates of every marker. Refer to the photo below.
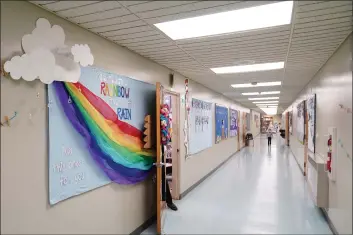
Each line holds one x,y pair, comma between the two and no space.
260,190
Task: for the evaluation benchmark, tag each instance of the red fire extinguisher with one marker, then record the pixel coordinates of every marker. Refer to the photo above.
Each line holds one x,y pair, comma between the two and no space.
329,152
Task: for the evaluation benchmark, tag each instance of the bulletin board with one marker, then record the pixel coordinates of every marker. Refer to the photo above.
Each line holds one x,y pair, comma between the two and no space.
311,111
233,128
200,128
247,118
103,112
221,123
301,121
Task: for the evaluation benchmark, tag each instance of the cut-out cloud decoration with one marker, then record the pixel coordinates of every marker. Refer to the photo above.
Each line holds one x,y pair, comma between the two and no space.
82,54
47,57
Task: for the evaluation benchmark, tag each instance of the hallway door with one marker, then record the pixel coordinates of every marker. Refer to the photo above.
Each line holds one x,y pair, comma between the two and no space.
173,163
159,159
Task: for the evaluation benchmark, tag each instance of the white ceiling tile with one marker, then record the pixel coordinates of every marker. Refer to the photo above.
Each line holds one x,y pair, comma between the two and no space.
131,3
115,27
111,21
127,31
157,5
100,16
64,5
88,9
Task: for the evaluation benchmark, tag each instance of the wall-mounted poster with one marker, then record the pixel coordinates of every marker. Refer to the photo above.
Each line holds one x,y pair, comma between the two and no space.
233,128
256,120
311,109
200,128
221,123
290,119
247,118
96,131
301,121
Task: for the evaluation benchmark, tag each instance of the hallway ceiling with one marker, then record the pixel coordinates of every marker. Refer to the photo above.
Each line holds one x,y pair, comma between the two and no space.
316,31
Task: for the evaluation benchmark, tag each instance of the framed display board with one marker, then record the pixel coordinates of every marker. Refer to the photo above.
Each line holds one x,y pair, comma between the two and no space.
221,123
301,121
200,127
311,115
233,128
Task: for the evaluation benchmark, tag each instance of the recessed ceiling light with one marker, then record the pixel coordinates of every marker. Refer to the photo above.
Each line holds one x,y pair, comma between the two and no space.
256,84
267,106
251,93
231,21
264,98
270,111
249,68
265,102
262,93
270,92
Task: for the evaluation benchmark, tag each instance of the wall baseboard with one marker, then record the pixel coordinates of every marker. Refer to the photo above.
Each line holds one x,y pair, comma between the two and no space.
144,225
182,195
329,221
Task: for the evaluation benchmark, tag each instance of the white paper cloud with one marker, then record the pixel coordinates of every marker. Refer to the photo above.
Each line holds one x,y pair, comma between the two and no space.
38,64
47,57
44,36
82,54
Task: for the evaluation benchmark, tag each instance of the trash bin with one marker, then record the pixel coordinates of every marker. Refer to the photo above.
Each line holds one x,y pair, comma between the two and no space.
249,137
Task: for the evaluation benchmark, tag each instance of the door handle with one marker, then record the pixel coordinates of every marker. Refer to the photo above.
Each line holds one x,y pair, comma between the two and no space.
177,150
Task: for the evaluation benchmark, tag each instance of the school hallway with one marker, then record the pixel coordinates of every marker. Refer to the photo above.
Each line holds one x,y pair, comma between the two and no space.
260,190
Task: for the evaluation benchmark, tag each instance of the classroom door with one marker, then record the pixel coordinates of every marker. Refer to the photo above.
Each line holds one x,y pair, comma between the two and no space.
159,159
173,161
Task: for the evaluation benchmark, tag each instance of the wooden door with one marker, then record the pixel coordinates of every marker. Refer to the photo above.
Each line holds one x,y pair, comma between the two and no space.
159,159
175,190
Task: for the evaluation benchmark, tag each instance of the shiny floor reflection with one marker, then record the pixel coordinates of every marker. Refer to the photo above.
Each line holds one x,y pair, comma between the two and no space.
261,190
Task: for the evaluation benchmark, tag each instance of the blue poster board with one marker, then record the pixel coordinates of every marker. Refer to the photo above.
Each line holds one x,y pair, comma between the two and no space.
71,168
221,123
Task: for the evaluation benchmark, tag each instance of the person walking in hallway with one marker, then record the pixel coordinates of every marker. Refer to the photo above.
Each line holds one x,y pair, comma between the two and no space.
269,136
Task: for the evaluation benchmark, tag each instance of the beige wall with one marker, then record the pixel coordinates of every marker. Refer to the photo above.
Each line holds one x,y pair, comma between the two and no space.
24,160
333,86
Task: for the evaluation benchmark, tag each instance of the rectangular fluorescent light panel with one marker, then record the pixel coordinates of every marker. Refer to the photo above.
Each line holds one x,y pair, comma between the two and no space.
248,68
270,92
251,93
265,102
257,17
262,93
270,111
245,85
264,98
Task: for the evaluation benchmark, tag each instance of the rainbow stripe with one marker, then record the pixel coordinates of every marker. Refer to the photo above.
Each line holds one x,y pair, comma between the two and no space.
116,146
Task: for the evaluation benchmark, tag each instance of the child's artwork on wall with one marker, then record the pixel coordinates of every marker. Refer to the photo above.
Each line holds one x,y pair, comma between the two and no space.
221,123
311,109
233,129
301,121
96,132
200,128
